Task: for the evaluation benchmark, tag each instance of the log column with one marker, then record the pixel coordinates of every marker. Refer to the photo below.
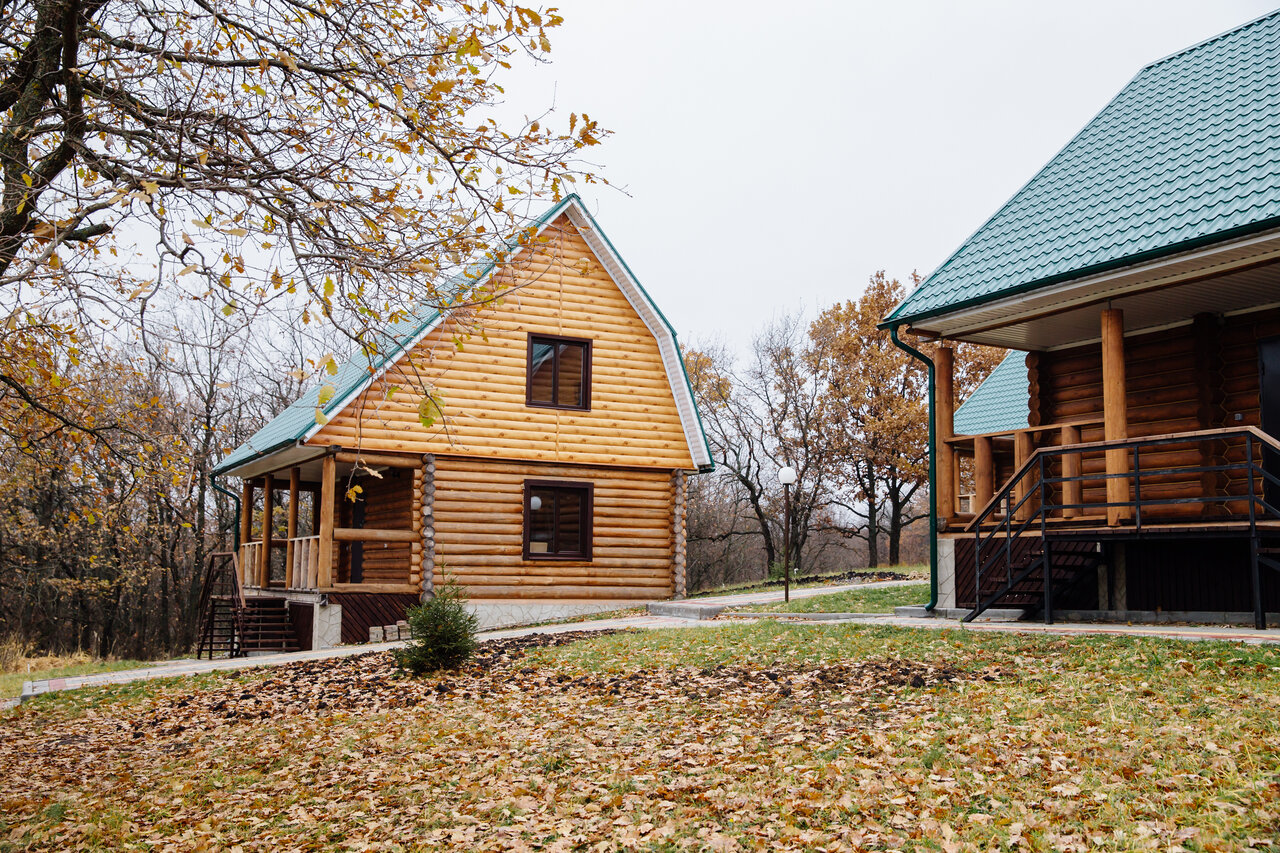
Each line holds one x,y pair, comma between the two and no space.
294,477
417,547
328,486
945,407
680,496
1022,450
1071,491
1115,418
428,524
246,529
264,559
984,473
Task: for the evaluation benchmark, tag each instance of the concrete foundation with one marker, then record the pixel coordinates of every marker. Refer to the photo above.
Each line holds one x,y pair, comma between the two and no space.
946,573
509,614
326,626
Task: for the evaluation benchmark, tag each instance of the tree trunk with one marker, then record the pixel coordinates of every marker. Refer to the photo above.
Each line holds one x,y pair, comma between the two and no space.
873,533
895,534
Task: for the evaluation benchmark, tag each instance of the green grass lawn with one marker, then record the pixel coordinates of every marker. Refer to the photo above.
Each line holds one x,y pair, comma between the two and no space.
752,736
880,600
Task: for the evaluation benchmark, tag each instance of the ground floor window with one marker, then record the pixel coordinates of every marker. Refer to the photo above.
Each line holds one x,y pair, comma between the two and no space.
557,520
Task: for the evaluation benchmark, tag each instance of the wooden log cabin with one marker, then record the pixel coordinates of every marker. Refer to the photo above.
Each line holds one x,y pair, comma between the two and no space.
1122,462
554,484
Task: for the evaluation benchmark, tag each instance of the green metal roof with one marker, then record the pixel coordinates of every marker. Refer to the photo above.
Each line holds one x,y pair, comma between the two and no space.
999,404
1186,155
295,422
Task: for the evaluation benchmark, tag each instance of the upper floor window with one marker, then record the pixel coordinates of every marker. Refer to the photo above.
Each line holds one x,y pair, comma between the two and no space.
559,372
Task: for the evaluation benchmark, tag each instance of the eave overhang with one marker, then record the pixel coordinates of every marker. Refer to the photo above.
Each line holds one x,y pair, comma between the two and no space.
1229,276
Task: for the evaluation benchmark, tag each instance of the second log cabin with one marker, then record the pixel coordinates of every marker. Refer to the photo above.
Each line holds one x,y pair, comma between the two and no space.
554,485
1123,462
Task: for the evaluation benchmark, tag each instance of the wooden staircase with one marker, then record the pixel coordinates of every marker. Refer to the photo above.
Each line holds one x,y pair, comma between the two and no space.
233,626
267,628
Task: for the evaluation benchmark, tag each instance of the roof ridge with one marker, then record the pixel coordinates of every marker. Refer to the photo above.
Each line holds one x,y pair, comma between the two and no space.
1204,42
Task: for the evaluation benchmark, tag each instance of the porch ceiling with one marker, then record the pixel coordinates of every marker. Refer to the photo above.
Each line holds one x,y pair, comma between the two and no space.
1226,280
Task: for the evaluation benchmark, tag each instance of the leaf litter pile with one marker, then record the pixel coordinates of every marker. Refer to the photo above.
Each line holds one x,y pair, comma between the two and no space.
745,737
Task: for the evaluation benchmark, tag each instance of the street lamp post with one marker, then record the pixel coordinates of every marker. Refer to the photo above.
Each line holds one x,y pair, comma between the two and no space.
786,476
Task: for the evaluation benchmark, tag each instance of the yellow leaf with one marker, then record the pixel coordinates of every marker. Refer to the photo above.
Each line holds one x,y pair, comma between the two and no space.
428,411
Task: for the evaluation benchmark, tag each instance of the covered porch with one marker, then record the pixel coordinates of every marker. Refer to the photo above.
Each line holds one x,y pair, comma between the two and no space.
1158,423
338,522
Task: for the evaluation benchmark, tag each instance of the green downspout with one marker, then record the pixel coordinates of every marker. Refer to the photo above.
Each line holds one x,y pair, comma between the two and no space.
235,525
933,469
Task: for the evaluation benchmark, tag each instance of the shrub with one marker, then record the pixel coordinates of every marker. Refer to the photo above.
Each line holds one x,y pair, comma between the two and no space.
443,633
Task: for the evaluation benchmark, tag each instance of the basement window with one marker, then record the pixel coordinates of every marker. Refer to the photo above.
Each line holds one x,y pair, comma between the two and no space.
559,373
557,520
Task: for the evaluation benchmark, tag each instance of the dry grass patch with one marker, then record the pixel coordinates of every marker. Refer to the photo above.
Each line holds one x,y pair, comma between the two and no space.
760,736
19,664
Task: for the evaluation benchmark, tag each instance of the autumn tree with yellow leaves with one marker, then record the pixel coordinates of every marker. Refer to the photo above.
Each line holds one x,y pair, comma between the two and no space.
264,165
841,404
875,412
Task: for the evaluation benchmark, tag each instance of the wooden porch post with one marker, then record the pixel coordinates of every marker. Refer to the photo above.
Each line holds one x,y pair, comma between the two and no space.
246,529
984,473
294,476
264,559
1115,419
945,403
328,483
1022,450
1071,492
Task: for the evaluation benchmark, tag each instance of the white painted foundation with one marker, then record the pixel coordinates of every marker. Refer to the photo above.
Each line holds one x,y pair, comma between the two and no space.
509,614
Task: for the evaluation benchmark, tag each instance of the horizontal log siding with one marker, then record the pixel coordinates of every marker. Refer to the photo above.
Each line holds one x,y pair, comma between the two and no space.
479,524
563,290
1165,396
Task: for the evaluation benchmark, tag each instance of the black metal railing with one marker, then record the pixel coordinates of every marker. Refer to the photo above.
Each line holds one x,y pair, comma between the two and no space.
221,587
1030,505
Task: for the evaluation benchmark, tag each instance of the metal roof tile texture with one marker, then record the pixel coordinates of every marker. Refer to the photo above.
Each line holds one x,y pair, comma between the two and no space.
1189,149
999,404
294,422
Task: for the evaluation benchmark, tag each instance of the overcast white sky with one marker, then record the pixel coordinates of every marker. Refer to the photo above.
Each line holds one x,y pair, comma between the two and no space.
777,154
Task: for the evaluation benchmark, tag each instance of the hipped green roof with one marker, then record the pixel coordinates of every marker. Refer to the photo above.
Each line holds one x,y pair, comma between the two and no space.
1186,155
999,404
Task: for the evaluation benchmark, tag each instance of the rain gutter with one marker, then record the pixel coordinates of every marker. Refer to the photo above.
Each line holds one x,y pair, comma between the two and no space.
933,467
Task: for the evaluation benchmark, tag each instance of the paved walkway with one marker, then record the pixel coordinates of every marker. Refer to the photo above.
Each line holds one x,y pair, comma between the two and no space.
169,669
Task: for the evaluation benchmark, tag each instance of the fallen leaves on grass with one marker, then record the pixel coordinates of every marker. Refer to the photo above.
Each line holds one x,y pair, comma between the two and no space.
595,741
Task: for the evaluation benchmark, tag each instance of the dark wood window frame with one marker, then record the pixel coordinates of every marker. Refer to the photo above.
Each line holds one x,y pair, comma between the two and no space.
587,489
555,372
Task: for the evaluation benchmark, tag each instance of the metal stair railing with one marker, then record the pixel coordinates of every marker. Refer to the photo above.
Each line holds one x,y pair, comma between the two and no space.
222,570
992,531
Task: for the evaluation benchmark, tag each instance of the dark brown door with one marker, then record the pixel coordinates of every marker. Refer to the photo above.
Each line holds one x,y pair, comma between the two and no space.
1269,368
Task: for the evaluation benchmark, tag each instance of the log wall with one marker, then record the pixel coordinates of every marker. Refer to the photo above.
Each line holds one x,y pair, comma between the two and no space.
1184,379
478,523
561,288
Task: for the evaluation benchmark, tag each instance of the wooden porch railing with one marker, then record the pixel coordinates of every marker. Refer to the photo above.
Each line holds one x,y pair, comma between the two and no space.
250,555
302,555
304,571
988,449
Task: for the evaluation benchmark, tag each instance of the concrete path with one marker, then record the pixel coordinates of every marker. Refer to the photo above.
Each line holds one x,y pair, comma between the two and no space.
771,596
169,669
